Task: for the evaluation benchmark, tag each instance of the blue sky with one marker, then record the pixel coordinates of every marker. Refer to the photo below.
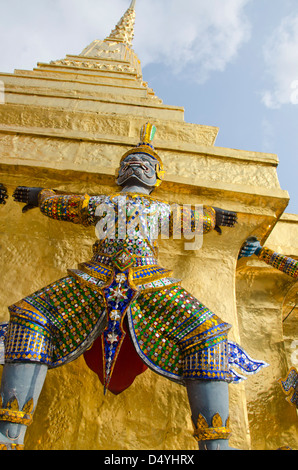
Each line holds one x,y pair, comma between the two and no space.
230,63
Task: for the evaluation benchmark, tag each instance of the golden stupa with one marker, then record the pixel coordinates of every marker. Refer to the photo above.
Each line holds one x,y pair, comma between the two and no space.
65,125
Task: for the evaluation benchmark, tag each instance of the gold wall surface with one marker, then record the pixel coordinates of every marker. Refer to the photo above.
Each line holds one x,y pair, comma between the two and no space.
65,125
267,303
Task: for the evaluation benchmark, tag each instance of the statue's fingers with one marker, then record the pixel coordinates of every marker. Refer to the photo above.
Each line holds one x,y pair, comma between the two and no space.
228,223
21,189
17,191
247,246
20,194
229,219
247,252
18,198
231,223
233,216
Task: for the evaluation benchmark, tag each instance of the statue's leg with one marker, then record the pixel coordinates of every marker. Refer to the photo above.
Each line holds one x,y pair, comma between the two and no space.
209,403
46,329
20,389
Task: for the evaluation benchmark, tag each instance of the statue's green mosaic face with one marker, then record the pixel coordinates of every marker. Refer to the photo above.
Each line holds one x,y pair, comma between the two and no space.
138,168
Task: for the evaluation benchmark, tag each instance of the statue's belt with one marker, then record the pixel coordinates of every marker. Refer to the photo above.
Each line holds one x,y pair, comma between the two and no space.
99,275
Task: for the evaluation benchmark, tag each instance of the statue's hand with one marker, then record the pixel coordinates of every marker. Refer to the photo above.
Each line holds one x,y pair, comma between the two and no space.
224,219
3,194
251,246
28,196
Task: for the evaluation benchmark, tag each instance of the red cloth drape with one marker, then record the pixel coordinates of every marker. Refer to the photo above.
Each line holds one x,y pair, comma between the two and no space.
128,364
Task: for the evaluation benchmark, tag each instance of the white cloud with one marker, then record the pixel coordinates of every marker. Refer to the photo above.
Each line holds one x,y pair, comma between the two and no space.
192,37
44,30
281,64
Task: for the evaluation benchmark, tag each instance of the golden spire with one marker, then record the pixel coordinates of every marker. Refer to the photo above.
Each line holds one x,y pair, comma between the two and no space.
117,46
124,30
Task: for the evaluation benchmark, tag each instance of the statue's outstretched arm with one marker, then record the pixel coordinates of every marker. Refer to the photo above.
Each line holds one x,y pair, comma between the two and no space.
281,262
70,208
214,218
203,219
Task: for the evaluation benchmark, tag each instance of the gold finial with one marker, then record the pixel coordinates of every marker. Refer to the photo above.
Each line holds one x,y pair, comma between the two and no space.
124,30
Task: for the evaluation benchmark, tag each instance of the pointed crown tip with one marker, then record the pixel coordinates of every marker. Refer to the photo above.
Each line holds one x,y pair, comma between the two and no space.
148,131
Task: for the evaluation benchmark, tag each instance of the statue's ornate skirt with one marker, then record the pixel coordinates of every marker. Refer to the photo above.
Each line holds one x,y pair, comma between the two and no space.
172,332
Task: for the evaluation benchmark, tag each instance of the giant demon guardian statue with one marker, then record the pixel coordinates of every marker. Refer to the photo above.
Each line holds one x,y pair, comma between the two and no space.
122,310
